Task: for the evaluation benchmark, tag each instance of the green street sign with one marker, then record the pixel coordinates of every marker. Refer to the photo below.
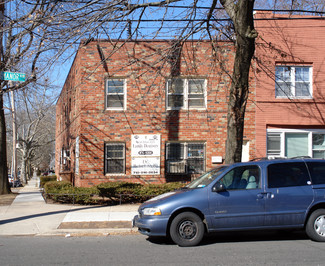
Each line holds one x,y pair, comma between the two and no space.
12,76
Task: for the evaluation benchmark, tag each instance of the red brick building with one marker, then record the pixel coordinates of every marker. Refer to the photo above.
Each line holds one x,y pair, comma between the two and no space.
156,111
290,88
145,111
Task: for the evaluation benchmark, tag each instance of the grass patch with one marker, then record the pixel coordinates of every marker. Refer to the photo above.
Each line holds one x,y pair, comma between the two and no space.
6,200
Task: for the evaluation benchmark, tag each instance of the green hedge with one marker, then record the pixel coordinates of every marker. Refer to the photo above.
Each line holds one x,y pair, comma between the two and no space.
45,179
132,192
113,189
64,192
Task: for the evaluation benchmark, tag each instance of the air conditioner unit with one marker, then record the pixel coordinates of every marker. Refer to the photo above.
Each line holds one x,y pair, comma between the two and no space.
176,167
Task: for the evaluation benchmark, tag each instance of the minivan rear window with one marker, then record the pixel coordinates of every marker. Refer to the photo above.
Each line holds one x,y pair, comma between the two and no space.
287,175
317,172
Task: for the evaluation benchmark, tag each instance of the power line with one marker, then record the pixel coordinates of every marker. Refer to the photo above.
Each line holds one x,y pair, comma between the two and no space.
256,9
204,20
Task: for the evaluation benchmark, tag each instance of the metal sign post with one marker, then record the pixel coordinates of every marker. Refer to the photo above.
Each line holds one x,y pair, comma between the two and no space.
21,77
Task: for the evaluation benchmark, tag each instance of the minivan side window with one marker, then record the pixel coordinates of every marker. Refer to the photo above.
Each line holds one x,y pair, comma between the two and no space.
243,177
287,175
317,170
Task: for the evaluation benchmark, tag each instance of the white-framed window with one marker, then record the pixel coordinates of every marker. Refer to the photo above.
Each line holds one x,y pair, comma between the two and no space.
186,93
114,158
295,142
185,157
115,93
293,81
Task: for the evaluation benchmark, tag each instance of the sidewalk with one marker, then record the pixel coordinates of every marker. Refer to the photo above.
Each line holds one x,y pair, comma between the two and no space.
30,215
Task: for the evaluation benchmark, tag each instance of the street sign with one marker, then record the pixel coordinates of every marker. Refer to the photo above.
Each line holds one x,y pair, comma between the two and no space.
13,76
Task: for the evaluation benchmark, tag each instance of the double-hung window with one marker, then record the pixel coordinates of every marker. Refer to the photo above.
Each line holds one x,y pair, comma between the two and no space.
185,157
115,94
186,93
293,81
295,142
114,158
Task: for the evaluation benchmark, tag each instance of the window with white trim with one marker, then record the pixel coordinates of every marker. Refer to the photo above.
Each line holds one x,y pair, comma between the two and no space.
115,94
185,157
186,93
114,158
294,143
318,145
65,160
293,81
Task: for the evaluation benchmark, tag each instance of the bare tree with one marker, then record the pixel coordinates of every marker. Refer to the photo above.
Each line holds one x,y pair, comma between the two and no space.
216,20
36,130
28,31
294,6
241,14
199,22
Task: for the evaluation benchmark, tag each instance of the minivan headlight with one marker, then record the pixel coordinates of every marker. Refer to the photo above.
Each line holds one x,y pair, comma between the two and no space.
151,211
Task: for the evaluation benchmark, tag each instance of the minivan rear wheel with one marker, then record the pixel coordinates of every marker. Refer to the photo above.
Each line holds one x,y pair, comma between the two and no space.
315,227
187,229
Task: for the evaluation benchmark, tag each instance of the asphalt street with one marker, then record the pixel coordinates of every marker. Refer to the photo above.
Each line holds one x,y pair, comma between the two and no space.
254,248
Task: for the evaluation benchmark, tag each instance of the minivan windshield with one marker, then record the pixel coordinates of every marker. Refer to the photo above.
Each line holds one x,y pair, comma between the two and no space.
206,178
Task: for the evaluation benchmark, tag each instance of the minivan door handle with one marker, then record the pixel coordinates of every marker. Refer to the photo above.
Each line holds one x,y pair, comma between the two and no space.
261,195
267,195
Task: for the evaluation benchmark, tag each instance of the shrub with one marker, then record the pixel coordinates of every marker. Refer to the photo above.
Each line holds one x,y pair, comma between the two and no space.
153,190
45,179
84,195
133,192
112,189
64,192
56,186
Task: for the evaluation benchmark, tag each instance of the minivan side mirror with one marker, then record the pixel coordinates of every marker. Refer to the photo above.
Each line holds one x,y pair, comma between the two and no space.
219,187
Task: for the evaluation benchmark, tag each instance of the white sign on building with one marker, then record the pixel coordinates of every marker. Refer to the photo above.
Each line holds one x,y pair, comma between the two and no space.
145,166
145,145
145,152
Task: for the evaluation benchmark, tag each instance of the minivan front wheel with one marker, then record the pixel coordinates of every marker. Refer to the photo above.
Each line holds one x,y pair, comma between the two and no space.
187,229
315,227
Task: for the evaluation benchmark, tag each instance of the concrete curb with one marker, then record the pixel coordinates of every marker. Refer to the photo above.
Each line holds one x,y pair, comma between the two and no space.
95,225
90,232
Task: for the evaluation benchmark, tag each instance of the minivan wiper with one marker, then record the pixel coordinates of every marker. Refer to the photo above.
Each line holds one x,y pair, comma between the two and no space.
184,188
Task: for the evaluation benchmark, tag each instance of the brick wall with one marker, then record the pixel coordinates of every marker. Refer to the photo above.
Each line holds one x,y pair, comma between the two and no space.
145,65
298,41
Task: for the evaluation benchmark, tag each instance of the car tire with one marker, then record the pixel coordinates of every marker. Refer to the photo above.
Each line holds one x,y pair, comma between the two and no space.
315,227
187,229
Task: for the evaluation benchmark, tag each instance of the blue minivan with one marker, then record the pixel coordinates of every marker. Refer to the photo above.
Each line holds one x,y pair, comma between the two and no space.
265,194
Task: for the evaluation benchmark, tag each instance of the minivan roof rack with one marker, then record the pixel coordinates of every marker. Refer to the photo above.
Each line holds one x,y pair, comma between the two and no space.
267,158
301,157
258,159
279,158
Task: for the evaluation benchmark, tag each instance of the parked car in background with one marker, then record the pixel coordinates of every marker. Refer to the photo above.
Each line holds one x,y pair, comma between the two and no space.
14,183
265,194
11,180
49,172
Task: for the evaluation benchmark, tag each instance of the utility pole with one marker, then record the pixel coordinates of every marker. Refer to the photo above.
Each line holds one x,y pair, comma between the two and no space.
14,137
4,184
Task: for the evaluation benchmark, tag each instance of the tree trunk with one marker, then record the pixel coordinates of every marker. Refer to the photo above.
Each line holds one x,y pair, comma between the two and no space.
4,183
23,166
241,14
